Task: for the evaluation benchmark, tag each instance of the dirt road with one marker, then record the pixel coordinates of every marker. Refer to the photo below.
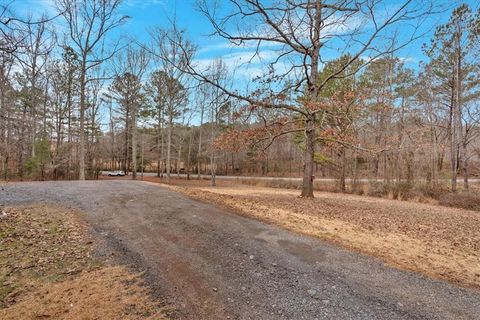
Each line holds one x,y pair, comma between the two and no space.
291,179
212,264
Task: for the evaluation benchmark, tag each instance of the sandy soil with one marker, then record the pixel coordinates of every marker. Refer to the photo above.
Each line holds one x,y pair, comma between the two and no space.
47,271
441,242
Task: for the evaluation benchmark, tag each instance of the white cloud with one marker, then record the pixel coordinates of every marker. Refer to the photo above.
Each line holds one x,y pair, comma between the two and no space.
142,4
36,8
246,64
247,46
408,60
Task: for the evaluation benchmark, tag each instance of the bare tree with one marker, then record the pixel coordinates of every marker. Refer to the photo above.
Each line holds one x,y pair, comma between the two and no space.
7,102
130,66
32,60
304,34
201,98
172,51
10,36
455,66
215,100
89,22
12,28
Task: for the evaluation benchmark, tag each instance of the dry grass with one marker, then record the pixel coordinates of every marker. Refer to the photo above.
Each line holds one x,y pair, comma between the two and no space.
105,293
46,271
40,242
441,242
420,192
465,200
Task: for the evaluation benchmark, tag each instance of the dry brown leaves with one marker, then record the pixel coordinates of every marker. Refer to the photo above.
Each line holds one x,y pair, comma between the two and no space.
441,242
47,271
106,293
40,242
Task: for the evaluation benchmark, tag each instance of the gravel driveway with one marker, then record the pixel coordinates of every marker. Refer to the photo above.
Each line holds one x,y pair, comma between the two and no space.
212,264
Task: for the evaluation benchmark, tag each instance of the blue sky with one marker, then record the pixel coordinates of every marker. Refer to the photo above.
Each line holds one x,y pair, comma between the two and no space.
146,14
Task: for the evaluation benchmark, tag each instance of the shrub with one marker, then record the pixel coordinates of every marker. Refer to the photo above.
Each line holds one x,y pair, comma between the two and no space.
375,189
463,200
398,190
36,165
402,190
433,191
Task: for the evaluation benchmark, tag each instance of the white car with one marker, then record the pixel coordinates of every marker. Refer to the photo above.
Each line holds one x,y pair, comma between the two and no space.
118,173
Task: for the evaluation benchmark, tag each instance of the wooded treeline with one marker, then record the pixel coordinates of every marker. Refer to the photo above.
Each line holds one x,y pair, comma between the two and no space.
77,101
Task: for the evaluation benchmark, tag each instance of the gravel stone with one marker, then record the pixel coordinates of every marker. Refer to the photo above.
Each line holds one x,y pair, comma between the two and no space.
153,230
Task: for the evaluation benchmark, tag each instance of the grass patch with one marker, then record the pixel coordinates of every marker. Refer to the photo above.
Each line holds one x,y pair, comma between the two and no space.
47,271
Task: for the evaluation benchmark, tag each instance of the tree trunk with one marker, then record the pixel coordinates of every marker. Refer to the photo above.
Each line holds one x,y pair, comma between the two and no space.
434,156
307,183
81,158
179,157
69,126
162,151
112,134
453,143
169,146
465,167
134,143
189,154
355,171
199,153
143,157
212,156
126,163
410,167
343,164
159,150
213,180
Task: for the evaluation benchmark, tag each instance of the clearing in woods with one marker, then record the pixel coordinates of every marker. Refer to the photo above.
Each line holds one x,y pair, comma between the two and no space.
210,263
441,242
